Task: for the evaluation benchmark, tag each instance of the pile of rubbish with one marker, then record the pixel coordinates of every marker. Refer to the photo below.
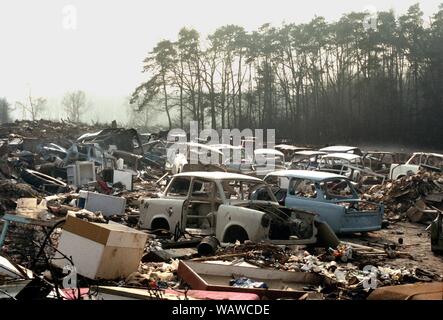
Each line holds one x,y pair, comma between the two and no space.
344,272
70,202
416,197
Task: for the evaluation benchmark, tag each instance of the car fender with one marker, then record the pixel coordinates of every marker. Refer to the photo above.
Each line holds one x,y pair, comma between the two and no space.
402,170
248,219
170,209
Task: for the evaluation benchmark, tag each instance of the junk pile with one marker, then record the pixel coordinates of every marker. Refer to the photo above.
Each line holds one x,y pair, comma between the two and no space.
417,198
70,199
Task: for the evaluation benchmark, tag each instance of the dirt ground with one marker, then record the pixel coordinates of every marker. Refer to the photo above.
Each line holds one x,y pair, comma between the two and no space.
415,241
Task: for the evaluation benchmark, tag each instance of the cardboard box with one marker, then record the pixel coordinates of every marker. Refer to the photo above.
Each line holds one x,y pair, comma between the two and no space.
100,251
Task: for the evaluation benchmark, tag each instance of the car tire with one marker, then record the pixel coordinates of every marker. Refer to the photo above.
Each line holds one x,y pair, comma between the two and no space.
235,233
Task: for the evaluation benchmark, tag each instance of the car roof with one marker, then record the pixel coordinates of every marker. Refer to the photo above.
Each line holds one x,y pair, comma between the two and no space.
268,151
313,175
338,149
379,152
347,156
225,146
310,153
289,147
429,154
217,175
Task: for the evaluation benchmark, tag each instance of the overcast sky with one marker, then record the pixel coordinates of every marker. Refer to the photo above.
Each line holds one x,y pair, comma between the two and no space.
104,54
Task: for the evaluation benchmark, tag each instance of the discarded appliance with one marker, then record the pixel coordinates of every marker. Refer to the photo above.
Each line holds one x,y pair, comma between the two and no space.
81,173
107,205
98,250
216,277
119,176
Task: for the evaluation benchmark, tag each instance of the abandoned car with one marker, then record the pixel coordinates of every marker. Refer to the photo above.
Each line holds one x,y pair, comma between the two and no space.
331,196
342,149
235,158
345,164
221,204
380,161
289,150
305,160
268,160
419,160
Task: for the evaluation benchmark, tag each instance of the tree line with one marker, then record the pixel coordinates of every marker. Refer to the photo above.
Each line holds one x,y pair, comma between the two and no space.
362,79
74,104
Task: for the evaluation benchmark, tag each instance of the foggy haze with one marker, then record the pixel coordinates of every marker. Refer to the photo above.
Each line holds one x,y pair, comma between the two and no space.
103,55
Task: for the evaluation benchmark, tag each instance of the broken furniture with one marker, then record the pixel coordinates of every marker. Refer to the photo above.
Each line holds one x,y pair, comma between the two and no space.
98,250
8,218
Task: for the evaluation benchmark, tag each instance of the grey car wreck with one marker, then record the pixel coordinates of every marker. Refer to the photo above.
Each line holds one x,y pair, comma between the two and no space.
221,204
331,196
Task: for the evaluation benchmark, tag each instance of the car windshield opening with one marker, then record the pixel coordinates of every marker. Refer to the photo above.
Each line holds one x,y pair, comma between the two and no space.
243,189
337,189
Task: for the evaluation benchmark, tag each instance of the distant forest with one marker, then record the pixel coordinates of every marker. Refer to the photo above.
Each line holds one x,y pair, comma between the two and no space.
367,78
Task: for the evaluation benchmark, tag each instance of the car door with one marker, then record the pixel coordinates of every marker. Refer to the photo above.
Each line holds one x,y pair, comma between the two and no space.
327,212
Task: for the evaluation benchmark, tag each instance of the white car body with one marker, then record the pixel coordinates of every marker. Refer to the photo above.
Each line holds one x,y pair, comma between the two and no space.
413,165
267,161
342,149
345,164
205,203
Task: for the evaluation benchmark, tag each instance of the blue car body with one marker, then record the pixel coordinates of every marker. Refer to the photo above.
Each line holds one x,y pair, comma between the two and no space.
347,214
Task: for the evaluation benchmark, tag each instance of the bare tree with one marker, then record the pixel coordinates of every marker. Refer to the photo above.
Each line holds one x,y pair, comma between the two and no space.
4,110
75,104
34,106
